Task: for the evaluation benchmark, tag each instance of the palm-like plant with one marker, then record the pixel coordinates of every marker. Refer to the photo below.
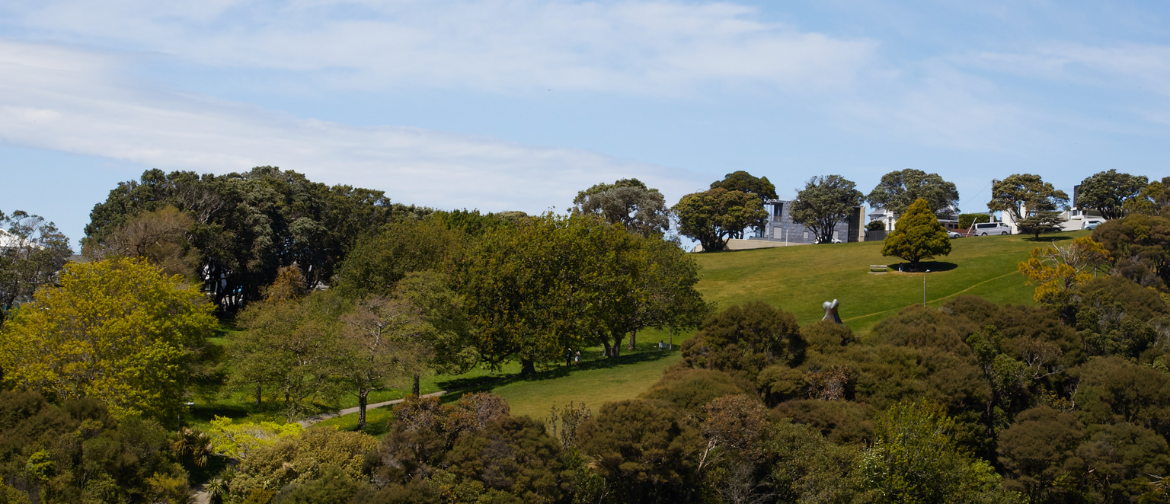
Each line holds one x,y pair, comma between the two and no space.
192,445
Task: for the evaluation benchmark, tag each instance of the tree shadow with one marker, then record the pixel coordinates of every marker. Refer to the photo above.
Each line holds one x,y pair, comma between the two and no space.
933,266
457,387
1047,238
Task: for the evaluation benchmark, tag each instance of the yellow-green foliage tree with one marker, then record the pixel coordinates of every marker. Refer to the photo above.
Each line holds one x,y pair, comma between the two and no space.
917,235
1056,271
117,330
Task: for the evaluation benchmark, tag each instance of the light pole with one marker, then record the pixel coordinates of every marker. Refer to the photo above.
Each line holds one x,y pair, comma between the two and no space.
924,288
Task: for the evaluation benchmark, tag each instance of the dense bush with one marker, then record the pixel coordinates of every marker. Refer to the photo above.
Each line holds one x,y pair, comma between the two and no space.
742,340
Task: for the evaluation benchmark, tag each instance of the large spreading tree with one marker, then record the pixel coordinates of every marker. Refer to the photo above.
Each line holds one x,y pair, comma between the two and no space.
119,331
714,216
900,189
745,182
918,236
629,202
1026,195
1107,192
825,201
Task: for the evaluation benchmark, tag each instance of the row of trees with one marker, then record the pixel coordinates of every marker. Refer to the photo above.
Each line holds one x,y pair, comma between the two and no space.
234,232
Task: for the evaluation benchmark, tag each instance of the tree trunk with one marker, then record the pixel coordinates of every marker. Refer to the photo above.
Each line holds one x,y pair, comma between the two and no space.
617,346
633,340
362,409
414,388
605,342
527,368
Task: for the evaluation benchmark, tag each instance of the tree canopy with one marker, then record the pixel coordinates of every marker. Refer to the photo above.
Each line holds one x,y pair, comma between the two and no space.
712,217
32,251
117,330
248,225
900,189
1024,195
1108,191
745,182
627,202
918,235
825,201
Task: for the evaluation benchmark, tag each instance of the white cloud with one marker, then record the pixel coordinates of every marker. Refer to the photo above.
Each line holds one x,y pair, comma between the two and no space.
638,47
72,101
1146,66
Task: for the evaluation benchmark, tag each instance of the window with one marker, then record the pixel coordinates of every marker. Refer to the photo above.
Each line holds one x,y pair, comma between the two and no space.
806,236
777,209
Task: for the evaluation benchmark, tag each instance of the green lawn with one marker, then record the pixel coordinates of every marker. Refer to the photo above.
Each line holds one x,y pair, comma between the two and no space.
797,279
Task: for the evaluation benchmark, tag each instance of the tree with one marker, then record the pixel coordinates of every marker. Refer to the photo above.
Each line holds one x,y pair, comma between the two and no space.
629,202
713,216
1021,196
1152,201
645,451
377,263
744,182
1057,271
825,201
373,351
31,253
118,331
900,189
442,336
967,220
745,339
290,347
520,285
915,459
1038,452
917,236
1108,191
249,225
160,236
1041,221
1140,247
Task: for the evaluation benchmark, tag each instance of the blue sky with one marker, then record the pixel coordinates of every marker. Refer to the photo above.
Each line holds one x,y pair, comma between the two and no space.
517,105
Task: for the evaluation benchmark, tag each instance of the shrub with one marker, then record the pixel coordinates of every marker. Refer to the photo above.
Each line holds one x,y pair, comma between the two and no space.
745,339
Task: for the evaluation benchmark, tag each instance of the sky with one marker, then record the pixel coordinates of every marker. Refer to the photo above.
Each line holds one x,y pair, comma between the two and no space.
517,104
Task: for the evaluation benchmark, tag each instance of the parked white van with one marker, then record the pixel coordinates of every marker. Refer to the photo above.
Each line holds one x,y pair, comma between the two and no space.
992,228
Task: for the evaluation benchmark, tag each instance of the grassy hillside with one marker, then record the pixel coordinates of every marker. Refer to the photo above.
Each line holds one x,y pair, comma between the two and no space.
797,279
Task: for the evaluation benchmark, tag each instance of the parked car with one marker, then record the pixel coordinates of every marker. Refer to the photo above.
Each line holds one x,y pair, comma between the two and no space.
992,228
1092,223
954,234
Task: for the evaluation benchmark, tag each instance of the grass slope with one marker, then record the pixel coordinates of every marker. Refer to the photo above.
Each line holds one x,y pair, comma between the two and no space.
800,279
797,279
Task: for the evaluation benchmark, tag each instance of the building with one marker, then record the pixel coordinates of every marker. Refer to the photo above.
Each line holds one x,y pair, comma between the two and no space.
780,226
1073,218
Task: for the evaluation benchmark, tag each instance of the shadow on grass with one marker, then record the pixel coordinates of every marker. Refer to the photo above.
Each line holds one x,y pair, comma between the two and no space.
459,387
923,266
1047,238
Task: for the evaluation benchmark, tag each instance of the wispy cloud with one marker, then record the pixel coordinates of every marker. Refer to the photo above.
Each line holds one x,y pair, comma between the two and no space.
634,47
1145,66
74,101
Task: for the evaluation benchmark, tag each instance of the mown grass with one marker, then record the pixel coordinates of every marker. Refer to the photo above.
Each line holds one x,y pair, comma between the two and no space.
796,279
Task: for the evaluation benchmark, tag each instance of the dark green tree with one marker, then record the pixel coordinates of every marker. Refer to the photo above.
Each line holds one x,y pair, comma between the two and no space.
1140,246
745,182
32,251
714,216
644,450
1038,453
628,202
745,339
1108,191
917,236
249,225
900,189
825,201
1023,195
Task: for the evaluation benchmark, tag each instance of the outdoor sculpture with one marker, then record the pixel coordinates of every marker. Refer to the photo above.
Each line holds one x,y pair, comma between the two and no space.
831,311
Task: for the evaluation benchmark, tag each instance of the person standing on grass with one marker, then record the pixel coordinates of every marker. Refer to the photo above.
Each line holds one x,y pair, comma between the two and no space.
577,358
